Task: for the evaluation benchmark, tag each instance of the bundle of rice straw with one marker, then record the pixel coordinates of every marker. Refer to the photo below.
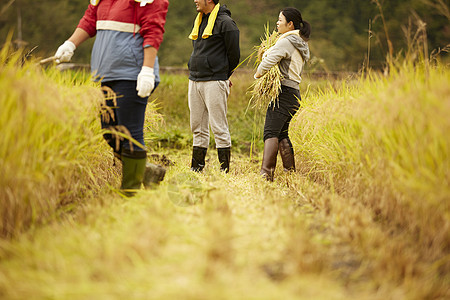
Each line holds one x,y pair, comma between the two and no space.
266,88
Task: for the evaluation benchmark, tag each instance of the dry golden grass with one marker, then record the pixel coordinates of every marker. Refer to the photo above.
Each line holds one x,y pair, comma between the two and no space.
366,216
383,147
52,152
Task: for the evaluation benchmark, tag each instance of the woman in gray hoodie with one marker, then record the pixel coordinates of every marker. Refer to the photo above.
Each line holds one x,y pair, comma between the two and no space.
290,52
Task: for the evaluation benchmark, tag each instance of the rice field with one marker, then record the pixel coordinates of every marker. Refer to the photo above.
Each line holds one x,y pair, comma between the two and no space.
52,153
366,215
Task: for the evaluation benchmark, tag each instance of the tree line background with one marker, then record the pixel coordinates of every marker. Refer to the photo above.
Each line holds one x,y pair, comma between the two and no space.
342,30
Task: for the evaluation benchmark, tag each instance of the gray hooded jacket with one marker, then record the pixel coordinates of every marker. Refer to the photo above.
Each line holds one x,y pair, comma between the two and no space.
290,52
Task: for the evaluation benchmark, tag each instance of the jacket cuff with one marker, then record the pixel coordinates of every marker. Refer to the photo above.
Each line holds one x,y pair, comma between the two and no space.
92,31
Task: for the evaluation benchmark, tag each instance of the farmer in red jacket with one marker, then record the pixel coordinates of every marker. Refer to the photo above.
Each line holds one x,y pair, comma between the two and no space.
124,58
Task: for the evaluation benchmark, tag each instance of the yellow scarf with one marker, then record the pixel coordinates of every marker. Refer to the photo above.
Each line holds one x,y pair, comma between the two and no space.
209,27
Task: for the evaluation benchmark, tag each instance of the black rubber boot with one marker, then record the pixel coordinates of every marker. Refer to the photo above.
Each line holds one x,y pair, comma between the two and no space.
269,158
224,155
133,168
153,175
198,158
287,154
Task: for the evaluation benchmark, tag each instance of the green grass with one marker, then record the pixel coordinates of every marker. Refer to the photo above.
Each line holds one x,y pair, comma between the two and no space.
171,98
246,123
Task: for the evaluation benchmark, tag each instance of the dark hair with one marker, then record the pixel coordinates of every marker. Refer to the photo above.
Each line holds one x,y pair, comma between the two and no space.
294,15
216,1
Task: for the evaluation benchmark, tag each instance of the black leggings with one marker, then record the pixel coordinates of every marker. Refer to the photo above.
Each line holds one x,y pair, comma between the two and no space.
279,115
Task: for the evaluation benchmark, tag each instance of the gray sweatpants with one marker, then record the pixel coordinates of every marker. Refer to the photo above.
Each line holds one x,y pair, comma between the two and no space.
208,107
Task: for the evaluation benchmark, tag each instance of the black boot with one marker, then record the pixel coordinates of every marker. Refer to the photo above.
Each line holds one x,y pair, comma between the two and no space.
287,154
198,158
269,158
133,168
224,155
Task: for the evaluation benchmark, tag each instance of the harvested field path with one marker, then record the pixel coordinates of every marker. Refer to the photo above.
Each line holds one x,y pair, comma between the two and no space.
197,236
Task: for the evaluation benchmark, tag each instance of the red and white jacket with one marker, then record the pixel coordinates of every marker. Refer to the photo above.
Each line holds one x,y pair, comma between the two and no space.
123,28
127,16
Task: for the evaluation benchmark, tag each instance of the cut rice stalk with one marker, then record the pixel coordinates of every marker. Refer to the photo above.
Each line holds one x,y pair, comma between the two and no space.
266,88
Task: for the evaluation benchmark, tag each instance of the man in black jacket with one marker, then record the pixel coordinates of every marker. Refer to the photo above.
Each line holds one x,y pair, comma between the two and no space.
215,38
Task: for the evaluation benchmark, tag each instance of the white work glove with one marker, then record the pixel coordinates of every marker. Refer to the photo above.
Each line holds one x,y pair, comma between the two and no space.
65,52
145,82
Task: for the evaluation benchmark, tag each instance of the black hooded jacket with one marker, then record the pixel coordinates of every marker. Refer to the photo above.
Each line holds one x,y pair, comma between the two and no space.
215,57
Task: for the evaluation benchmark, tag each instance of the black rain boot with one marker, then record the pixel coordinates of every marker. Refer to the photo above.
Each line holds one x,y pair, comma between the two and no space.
153,175
287,154
133,168
198,158
224,155
269,158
